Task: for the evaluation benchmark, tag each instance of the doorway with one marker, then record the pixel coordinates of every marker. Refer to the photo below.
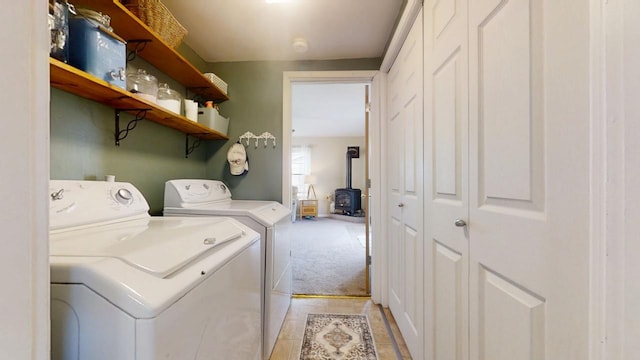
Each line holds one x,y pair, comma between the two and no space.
329,150
325,117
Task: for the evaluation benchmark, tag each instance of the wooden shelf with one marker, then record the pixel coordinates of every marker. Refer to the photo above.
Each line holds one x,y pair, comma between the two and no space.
156,51
78,82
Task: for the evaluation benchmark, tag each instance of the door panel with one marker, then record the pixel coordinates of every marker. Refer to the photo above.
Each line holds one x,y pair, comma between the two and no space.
446,179
507,52
412,127
505,124
446,146
395,161
528,204
448,276
396,264
506,143
512,317
405,196
413,281
443,12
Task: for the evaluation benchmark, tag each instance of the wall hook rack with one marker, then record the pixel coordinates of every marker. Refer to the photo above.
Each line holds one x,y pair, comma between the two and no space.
266,136
122,134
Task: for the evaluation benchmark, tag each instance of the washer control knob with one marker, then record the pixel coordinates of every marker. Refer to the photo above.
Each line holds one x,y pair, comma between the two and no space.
124,196
57,195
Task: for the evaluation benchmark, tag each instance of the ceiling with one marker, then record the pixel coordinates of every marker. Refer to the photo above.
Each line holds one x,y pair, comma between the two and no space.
255,30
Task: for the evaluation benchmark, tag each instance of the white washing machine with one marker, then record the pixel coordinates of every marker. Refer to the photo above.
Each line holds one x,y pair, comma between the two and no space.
128,286
272,220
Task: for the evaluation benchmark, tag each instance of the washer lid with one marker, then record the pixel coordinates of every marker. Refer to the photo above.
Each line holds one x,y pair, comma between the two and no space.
158,246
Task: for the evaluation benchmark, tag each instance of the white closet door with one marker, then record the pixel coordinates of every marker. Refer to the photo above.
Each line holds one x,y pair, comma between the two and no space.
446,179
529,112
405,201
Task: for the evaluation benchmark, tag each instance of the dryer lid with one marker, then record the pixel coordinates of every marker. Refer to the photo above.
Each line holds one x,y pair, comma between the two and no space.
158,246
266,213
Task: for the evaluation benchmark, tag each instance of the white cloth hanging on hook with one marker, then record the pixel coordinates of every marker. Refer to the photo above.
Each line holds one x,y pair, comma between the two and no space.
238,161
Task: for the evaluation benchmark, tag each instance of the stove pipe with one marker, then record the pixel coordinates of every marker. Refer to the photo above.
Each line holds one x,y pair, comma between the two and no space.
348,170
352,152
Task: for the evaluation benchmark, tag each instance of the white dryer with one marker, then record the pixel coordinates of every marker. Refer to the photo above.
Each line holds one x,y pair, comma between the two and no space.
272,220
128,286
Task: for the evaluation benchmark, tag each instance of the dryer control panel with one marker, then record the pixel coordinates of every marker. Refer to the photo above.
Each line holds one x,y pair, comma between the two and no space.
185,192
74,203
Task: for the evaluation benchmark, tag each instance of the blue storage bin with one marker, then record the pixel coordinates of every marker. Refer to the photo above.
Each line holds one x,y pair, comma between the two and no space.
96,50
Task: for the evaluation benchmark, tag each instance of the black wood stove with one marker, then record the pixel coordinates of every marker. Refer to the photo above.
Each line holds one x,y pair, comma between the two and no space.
348,199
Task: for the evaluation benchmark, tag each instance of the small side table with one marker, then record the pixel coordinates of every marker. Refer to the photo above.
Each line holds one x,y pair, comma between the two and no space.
308,208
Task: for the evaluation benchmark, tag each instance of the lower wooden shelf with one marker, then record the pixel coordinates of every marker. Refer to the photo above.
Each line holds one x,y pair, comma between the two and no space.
80,83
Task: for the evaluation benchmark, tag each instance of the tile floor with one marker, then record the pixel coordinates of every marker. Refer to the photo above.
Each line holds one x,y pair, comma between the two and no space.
290,339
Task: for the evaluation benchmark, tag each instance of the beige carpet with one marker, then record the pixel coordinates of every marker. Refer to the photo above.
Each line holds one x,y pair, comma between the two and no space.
337,337
328,258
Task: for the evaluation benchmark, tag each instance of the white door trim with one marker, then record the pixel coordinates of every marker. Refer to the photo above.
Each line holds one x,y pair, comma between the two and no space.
409,14
290,77
615,131
598,191
24,153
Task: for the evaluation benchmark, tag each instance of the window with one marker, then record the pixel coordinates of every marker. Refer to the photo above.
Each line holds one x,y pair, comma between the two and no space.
300,166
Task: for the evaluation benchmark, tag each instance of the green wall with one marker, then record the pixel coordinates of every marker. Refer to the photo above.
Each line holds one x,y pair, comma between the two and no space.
255,91
82,145
82,140
82,148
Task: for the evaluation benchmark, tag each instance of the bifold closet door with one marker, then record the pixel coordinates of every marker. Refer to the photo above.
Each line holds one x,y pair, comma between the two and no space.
446,180
529,190
405,188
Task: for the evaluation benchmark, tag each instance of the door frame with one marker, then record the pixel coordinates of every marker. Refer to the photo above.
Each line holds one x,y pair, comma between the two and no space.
24,151
614,33
373,78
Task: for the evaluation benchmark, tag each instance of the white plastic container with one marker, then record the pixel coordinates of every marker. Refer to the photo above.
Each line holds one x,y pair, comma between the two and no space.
191,109
210,117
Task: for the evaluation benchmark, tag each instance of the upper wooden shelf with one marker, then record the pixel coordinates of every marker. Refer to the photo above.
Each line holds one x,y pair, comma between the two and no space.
78,82
156,51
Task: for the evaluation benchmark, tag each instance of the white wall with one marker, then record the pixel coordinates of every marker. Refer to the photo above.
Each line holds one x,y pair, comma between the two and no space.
24,176
329,163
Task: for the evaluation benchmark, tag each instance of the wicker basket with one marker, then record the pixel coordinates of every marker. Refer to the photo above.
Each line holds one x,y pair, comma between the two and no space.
159,19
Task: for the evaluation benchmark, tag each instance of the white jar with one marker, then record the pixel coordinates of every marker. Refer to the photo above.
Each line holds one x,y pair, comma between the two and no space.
143,85
169,99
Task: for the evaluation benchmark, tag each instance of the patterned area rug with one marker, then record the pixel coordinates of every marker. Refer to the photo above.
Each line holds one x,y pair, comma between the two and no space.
338,337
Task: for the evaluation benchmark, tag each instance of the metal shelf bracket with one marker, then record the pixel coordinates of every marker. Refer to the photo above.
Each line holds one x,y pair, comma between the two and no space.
140,44
122,134
189,149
